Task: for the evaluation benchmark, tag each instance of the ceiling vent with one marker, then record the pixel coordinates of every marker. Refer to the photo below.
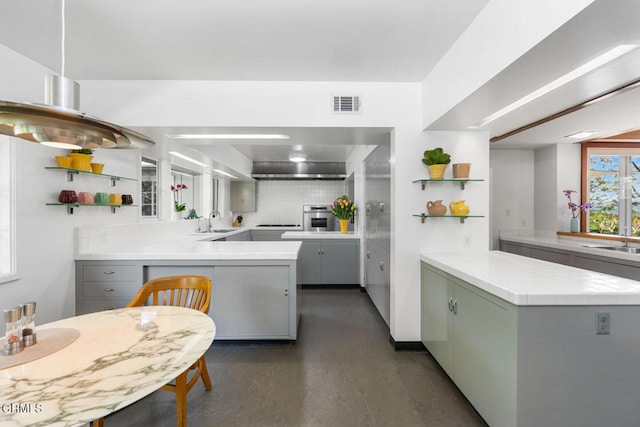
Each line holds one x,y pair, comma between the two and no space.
346,104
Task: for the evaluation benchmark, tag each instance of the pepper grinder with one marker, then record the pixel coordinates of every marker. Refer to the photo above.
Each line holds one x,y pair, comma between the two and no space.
29,323
13,343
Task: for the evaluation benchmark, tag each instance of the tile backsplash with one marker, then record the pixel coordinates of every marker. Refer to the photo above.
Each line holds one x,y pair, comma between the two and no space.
280,202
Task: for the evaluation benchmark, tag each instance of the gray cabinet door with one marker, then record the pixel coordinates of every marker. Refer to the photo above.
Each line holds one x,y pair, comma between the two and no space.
266,235
310,263
437,318
251,301
339,262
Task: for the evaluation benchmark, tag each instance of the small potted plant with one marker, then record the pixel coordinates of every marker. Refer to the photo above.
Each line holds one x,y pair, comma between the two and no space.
81,159
436,160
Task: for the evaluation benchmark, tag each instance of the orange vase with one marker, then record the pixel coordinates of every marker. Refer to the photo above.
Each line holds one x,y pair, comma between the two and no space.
344,224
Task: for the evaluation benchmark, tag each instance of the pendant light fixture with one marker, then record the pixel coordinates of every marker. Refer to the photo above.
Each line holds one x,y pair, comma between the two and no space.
58,123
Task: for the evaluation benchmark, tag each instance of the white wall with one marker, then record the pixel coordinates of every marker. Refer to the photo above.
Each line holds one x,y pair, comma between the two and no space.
512,191
557,168
45,233
280,202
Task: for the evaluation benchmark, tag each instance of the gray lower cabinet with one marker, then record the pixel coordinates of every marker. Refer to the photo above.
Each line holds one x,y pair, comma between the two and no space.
473,337
250,300
532,366
266,235
106,285
328,262
601,264
244,236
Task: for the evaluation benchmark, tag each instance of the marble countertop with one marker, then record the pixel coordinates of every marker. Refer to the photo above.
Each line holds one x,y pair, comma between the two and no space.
292,235
575,244
119,357
526,281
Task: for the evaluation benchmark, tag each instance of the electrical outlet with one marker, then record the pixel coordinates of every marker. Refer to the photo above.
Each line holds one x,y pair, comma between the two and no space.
603,323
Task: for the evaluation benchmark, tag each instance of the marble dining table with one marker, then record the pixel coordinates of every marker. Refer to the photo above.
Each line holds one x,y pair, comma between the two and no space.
119,357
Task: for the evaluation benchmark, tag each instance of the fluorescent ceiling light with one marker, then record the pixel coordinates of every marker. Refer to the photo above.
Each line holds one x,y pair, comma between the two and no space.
225,173
570,76
297,156
228,136
580,135
187,158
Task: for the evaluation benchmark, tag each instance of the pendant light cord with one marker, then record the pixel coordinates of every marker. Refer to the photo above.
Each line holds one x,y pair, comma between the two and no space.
63,38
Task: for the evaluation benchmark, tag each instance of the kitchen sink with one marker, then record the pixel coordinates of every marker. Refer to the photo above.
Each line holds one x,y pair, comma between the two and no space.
222,230
625,249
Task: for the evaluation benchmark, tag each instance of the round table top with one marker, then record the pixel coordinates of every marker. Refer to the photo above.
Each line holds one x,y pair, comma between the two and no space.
120,357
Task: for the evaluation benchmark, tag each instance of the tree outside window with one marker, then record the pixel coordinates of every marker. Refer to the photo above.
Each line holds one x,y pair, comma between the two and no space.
612,186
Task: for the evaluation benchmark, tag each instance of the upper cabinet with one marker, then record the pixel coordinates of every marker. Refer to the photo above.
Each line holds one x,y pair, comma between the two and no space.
243,196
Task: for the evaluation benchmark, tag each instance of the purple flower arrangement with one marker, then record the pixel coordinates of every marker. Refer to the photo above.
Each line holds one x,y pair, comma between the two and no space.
575,208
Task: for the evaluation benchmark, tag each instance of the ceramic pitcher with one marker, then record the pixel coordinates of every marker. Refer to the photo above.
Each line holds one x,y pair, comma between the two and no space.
436,208
459,208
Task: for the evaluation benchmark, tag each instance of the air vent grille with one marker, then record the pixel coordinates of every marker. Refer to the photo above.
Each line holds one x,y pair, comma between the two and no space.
346,104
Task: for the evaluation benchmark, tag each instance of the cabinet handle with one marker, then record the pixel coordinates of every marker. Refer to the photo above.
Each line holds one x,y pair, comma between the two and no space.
319,251
381,265
108,272
450,304
322,251
455,307
109,308
109,289
368,254
381,207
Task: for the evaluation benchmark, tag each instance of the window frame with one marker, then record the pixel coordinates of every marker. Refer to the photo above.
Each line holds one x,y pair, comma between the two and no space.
584,179
8,182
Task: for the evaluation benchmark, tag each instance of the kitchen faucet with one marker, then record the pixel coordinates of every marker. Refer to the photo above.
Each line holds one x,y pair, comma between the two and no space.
626,237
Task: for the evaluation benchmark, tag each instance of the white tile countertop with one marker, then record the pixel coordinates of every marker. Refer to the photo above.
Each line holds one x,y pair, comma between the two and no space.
196,247
526,281
575,244
292,235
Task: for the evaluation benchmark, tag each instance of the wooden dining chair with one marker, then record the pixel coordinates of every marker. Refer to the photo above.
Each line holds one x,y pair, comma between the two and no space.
184,291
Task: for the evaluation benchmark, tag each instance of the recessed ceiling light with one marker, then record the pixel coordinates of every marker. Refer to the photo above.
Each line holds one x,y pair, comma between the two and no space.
228,136
560,81
187,158
580,135
297,156
225,173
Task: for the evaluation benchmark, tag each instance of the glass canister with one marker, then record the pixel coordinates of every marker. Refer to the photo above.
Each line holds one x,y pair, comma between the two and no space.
28,323
13,338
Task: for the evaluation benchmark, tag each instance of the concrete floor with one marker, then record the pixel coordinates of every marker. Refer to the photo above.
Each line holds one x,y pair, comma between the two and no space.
342,371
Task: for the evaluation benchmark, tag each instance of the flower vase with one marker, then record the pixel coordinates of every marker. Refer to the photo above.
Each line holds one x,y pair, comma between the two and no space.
344,224
575,225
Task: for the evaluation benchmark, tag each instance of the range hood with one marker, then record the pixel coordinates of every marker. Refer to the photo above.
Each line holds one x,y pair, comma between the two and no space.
298,171
59,123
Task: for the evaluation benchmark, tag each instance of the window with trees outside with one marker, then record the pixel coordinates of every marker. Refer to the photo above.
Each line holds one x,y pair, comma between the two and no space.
611,184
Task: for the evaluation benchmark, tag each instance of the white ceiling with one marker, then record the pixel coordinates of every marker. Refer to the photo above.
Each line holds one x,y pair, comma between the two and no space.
331,40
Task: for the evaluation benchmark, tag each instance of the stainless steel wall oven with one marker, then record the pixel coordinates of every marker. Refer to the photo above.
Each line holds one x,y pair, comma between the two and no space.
317,218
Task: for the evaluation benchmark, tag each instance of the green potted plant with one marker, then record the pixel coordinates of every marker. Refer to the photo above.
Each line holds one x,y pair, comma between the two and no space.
436,161
81,159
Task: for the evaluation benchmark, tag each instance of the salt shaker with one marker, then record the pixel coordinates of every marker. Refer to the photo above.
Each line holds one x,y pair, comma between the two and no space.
13,320
29,323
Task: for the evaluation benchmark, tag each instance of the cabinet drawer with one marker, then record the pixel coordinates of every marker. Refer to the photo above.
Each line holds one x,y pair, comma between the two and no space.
108,289
110,273
101,305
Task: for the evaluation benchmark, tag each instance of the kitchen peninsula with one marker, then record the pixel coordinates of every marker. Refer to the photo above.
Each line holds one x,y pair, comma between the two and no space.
254,294
533,343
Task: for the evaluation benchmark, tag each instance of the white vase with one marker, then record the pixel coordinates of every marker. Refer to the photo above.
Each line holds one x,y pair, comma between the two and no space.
575,225
176,215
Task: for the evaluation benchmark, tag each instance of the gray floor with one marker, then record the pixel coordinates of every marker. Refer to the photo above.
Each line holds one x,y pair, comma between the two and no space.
342,371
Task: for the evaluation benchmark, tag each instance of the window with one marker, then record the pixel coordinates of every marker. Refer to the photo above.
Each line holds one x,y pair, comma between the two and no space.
7,209
149,188
612,186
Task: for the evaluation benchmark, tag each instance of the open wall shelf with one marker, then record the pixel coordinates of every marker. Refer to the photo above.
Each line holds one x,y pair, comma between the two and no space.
70,206
72,172
461,181
423,217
